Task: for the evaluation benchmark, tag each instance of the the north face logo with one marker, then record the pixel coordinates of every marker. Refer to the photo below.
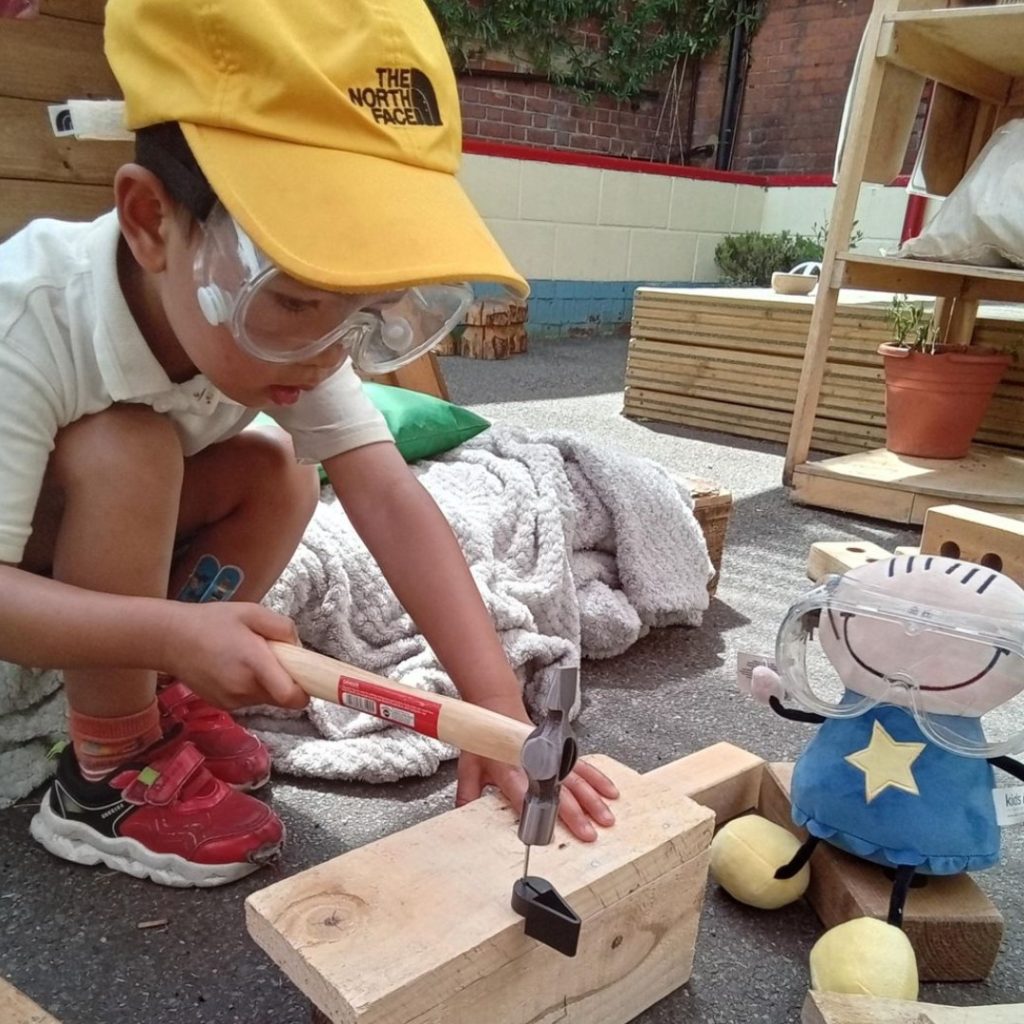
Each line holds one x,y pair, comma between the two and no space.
402,96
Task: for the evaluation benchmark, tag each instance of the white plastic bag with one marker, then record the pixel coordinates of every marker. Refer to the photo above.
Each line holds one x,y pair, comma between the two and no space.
982,221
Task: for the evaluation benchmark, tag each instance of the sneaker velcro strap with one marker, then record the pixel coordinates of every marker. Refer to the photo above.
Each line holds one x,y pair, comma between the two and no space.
172,772
172,695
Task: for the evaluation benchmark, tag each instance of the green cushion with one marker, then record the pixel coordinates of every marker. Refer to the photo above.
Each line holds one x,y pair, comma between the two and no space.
421,425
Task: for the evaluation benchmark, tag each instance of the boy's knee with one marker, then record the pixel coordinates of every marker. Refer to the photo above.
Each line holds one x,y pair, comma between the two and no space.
129,443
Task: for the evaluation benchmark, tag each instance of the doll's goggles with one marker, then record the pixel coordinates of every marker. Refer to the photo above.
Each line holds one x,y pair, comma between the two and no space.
280,320
846,647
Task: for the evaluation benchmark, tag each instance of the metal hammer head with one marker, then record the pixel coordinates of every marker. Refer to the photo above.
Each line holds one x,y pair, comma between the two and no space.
548,756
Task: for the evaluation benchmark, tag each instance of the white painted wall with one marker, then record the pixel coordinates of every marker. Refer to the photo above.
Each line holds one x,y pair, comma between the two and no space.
564,222
880,213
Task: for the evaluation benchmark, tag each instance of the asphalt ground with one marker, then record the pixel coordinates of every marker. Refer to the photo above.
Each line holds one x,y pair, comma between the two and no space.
70,936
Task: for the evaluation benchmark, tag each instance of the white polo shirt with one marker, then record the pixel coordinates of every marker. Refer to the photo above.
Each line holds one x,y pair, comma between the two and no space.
69,347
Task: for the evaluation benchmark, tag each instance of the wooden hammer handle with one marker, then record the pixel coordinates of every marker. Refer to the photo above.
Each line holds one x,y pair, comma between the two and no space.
457,722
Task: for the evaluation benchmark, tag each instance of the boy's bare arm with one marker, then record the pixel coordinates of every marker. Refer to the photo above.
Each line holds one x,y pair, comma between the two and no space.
412,542
219,648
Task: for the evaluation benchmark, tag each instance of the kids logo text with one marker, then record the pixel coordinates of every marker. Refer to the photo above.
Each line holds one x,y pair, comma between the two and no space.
401,96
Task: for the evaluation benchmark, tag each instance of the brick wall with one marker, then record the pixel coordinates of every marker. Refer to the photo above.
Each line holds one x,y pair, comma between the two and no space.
801,59
501,107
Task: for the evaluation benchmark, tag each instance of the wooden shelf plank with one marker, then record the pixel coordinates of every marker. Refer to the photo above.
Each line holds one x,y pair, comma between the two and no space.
989,36
910,47
882,484
892,274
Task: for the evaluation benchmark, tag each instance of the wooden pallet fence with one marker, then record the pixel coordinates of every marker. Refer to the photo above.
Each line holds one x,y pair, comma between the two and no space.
51,59
730,360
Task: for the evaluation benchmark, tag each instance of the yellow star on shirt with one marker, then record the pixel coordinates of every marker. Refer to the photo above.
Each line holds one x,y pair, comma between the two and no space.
886,762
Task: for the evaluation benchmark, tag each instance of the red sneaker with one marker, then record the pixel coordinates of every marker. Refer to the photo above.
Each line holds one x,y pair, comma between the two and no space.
163,817
231,752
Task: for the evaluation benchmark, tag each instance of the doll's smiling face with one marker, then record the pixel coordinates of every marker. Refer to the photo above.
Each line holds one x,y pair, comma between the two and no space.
953,675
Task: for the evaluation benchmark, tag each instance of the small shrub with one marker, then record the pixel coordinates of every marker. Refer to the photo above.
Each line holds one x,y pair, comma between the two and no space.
748,260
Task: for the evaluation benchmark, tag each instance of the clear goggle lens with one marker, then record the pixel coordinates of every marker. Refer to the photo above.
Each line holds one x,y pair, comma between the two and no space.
281,320
844,649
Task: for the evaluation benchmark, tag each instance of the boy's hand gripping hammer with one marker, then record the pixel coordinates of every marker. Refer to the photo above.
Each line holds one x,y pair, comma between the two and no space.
546,754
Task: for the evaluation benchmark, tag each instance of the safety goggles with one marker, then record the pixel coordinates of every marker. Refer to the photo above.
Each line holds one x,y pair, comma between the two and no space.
278,319
846,647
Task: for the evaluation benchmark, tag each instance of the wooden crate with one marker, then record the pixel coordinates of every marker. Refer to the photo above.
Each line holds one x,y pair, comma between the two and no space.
730,359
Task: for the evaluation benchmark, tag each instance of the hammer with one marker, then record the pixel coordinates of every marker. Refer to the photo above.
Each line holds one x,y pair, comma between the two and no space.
546,754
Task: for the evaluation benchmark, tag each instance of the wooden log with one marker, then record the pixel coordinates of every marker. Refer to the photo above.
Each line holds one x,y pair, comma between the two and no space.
417,927
832,1008
975,536
17,1008
492,342
954,927
496,312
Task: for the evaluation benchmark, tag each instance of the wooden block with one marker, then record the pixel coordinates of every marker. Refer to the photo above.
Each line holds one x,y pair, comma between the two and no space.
975,536
953,926
17,1008
417,926
906,549
722,777
837,556
832,1008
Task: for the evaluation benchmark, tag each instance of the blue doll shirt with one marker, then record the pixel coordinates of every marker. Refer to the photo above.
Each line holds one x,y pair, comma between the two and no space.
876,787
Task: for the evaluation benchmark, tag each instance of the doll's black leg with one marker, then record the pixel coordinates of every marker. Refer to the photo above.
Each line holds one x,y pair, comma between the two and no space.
904,876
800,858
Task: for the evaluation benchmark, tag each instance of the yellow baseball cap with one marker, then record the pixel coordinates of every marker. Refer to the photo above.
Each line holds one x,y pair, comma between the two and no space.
329,129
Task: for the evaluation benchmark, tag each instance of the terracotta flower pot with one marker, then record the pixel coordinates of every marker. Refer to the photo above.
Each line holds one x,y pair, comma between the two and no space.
934,403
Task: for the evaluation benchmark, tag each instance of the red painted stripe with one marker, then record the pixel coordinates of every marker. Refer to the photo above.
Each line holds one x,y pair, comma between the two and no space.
606,163
913,220
513,151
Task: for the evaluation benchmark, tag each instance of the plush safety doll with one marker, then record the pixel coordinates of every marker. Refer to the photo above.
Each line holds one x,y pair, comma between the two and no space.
913,669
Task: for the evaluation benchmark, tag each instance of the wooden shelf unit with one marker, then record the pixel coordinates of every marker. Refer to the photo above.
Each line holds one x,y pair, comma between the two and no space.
976,55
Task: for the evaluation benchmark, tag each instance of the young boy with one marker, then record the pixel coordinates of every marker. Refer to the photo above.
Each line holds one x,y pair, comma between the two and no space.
293,209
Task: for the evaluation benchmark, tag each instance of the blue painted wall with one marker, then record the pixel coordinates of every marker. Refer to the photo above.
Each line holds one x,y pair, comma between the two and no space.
574,308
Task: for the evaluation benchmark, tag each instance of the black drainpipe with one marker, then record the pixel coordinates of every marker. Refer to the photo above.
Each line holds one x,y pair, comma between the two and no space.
733,94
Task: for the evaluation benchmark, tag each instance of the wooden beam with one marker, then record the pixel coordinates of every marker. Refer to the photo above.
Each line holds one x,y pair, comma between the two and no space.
417,926
954,927
17,1008
832,1008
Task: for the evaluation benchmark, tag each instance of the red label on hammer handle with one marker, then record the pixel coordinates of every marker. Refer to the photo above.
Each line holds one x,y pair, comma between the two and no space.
399,708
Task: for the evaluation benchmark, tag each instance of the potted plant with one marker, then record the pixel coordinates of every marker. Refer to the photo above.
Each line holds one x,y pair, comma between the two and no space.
936,395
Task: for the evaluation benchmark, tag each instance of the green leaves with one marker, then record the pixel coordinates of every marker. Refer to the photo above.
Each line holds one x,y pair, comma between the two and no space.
590,46
748,260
